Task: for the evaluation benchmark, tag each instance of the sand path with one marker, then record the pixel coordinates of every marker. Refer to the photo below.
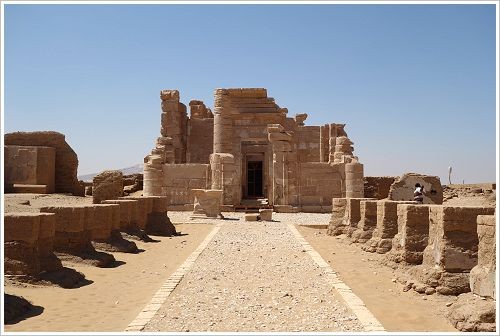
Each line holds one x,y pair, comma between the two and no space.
254,277
116,295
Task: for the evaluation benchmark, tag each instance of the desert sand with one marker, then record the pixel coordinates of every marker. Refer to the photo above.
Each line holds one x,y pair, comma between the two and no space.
116,295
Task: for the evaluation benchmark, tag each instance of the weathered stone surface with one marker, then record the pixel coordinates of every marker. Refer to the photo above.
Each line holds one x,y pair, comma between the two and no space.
337,223
251,217
471,313
482,276
266,214
378,187
29,165
386,229
413,234
248,126
367,222
66,160
453,240
207,203
402,189
107,185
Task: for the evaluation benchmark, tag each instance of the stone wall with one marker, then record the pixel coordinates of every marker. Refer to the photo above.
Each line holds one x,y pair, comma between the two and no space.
308,143
402,189
319,183
107,185
413,234
378,186
482,276
29,165
200,140
179,179
66,160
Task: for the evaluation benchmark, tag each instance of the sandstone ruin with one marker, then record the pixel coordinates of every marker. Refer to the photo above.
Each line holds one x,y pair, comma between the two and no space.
40,162
251,150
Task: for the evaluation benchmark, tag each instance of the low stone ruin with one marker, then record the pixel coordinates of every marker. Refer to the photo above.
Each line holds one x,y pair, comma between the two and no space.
386,227
403,187
378,187
74,225
349,209
367,222
409,243
40,162
107,185
476,311
29,245
207,203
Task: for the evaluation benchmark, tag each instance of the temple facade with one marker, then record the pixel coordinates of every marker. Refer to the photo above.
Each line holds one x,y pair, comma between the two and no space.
251,150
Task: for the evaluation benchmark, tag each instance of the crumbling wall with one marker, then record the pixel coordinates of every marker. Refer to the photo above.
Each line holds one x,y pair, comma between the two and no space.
107,185
378,186
66,161
29,165
200,141
308,143
482,276
403,187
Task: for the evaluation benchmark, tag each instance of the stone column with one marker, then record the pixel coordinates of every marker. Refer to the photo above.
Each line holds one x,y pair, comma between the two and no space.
280,141
354,184
223,127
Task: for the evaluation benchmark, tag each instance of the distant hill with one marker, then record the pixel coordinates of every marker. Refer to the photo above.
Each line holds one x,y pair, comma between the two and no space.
126,171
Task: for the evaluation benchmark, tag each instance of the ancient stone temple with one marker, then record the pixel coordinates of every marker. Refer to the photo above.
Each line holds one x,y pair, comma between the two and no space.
251,150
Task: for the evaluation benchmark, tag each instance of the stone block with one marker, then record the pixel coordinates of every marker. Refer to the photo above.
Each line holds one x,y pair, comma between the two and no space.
337,223
482,276
207,202
107,185
403,187
22,226
413,234
68,218
266,214
251,217
453,239
367,222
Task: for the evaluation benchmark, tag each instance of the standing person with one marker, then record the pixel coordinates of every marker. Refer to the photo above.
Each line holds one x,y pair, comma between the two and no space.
418,194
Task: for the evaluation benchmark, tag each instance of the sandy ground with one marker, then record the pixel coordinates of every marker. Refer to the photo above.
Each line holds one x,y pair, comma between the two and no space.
373,283
116,295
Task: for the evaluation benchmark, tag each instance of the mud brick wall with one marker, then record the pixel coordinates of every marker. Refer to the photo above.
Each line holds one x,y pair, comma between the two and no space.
308,143
482,276
28,243
453,238
200,140
30,165
319,183
179,179
413,233
66,160
378,186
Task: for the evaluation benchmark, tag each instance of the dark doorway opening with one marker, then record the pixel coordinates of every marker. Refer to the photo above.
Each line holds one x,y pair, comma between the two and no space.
254,179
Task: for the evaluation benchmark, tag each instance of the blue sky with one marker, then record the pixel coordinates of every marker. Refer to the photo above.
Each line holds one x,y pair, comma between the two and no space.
414,83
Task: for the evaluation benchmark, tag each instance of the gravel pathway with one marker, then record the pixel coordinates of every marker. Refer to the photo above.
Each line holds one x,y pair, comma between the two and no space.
254,277
301,218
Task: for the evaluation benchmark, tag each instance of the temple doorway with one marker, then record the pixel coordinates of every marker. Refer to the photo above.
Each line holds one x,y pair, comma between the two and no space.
254,179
